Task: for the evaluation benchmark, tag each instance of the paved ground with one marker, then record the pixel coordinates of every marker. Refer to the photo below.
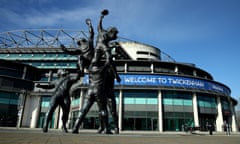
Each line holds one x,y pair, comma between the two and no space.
35,136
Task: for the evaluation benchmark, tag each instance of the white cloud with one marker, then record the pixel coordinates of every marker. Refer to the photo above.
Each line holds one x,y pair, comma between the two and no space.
140,20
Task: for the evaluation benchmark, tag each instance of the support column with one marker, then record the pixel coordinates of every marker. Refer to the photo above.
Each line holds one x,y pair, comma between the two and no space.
60,123
81,99
152,68
35,113
80,105
195,110
234,121
125,68
56,118
160,112
21,107
68,124
27,111
219,119
120,110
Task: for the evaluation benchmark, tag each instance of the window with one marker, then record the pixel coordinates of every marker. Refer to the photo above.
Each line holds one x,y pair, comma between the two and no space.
45,101
140,110
142,52
206,101
177,98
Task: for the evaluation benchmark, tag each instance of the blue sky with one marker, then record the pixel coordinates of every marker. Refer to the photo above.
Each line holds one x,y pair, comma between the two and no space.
203,32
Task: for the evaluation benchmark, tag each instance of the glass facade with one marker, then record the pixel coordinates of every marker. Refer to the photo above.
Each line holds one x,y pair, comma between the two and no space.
8,109
50,65
207,104
207,107
91,120
45,101
51,60
177,110
225,104
226,111
75,109
37,56
140,110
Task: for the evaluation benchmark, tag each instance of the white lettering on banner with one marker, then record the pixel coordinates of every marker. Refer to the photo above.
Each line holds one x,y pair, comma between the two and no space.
165,80
217,88
162,80
186,82
140,79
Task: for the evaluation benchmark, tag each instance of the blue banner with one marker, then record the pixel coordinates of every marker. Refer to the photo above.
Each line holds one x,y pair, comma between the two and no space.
170,81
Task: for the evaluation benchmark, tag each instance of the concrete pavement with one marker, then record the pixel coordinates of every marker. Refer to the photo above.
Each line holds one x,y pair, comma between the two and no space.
35,136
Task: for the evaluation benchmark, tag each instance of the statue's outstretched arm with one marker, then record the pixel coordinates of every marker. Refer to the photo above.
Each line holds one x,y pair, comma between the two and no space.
103,13
70,51
90,28
91,32
47,86
100,28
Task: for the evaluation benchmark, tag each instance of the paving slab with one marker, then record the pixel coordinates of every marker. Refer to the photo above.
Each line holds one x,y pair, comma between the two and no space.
35,136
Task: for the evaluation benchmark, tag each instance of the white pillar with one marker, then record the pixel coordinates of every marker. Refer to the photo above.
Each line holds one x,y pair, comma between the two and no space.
234,121
35,113
152,68
69,114
81,99
160,112
60,123
56,118
27,109
120,110
21,107
195,110
125,68
176,69
219,119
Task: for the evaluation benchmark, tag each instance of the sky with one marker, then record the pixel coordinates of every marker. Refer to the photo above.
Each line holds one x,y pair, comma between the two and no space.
203,32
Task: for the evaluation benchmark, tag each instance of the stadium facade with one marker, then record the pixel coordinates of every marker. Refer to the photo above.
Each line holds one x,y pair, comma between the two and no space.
156,92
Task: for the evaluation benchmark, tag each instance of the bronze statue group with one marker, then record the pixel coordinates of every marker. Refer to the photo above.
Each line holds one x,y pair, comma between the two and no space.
102,74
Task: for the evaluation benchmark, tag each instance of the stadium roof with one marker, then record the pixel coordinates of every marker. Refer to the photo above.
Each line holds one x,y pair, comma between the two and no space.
50,38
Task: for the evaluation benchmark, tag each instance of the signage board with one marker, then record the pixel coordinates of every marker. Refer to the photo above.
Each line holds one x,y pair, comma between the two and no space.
169,81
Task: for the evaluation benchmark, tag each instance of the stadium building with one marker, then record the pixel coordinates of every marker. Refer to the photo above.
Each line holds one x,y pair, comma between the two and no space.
156,92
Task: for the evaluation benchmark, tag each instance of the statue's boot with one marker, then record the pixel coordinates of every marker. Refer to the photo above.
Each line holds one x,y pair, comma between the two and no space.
47,120
101,128
65,128
45,126
76,127
87,105
77,124
104,121
116,130
115,118
45,129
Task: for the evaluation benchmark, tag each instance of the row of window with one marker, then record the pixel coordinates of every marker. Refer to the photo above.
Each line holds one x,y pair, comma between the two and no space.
45,56
150,98
147,53
8,98
66,57
49,65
